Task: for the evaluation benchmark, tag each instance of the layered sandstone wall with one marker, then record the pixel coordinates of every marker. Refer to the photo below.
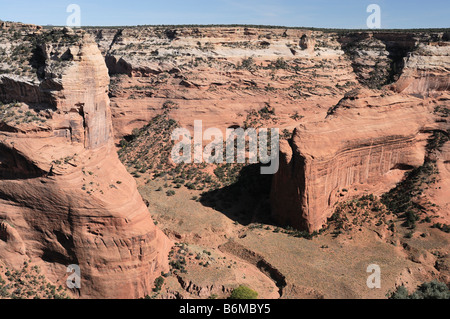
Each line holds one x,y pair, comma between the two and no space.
219,74
364,139
426,70
63,192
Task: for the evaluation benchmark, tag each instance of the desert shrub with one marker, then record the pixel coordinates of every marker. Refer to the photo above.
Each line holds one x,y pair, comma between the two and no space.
296,116
409,234
190,186
178,264
427,219
280,63
170,193
411,219
400,293
248,64
170,105
158,284
428,290
443,227
243,292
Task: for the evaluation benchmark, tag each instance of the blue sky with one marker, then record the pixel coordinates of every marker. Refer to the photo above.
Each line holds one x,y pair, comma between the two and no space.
317,13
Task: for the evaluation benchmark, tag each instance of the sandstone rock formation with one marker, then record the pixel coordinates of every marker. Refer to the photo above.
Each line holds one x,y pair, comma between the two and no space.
367,136
362,140
426,70
65,198
306,43
219,74
18,26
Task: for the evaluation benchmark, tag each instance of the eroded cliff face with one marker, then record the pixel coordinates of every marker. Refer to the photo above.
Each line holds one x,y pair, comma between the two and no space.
220,74
369,137
426,70
65,198
367,140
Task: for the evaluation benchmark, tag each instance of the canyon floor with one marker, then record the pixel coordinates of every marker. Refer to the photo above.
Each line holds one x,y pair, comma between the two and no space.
271,260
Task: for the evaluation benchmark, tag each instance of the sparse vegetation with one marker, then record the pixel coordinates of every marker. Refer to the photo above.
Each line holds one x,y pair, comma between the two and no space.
443,227
170,193
247,64
401,200
28,283
367,210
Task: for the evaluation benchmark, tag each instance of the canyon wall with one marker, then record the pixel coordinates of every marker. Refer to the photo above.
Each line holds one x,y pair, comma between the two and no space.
65,198
221,74
368,136
365,140
426,70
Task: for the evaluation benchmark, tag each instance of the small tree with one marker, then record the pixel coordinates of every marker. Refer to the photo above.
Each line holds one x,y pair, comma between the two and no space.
243,292
158,284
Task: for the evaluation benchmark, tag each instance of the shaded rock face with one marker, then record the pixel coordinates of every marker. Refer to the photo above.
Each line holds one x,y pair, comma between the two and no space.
377,58
362,142
426,70
383,58
307,43
65,198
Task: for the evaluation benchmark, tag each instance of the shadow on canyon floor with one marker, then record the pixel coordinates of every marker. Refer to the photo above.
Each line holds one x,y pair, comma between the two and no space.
247,200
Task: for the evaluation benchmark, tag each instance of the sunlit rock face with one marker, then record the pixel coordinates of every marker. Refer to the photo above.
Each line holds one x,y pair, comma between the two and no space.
362,142
65,198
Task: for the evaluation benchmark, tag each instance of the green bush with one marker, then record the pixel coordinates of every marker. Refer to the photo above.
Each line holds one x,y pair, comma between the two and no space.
248,64
170,193
443,227
158,284
428,290
243,292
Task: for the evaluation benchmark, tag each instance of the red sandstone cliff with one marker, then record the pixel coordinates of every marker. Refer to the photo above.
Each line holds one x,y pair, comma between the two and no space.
65,198
367,139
